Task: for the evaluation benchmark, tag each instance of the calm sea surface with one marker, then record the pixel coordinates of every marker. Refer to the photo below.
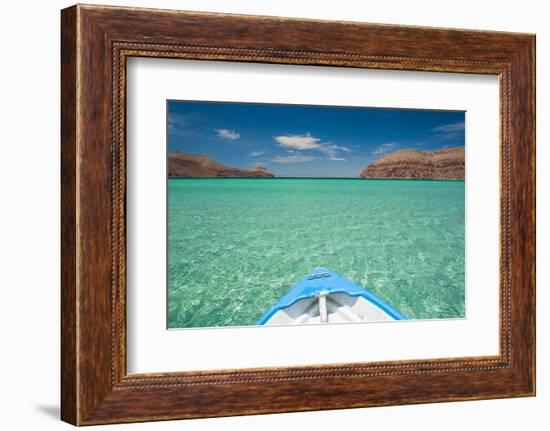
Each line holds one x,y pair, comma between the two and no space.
235,246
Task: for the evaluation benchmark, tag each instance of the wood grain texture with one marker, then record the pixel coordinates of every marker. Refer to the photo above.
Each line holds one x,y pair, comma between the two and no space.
69,367
96,41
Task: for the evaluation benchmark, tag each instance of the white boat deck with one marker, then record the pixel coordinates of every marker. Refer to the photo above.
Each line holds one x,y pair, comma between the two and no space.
340,308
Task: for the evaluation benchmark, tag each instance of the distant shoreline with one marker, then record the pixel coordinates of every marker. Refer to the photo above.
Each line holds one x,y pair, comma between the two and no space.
315,178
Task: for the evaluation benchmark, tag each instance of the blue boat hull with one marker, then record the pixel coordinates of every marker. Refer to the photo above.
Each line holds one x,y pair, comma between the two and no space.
326,297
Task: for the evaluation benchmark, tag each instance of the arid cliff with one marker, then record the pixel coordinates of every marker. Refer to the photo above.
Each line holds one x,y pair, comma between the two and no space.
445,164
184,165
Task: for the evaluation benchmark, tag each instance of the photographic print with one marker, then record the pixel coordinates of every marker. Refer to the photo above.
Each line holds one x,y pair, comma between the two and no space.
293,214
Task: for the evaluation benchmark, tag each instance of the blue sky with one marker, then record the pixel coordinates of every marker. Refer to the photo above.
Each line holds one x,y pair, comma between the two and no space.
306,141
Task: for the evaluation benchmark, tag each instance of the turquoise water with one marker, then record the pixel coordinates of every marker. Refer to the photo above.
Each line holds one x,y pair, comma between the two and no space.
235,246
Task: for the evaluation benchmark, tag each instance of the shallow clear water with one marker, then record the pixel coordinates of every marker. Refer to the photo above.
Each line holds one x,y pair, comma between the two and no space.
235,246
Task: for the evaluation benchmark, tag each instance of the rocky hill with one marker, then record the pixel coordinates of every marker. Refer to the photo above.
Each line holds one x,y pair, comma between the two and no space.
184,165
445,164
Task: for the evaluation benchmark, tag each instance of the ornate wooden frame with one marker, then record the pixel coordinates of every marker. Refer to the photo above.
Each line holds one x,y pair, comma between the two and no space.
96,41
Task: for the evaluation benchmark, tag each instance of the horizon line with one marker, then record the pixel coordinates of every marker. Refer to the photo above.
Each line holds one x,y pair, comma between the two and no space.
309,178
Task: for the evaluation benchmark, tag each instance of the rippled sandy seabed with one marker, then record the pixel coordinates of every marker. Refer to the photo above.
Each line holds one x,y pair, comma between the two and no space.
235,246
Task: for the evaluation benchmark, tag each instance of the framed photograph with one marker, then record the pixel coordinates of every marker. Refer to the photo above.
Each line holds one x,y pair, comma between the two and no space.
258,208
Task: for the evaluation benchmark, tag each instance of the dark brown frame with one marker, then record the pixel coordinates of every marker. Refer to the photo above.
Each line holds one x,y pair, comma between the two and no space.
96,41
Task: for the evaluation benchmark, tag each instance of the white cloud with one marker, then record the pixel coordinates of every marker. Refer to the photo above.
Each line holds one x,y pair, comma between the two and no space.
295,158
181,124
332,150
340,148
385,148
449,128
451,131
178,120
298,142
228,135
305,142
256,153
